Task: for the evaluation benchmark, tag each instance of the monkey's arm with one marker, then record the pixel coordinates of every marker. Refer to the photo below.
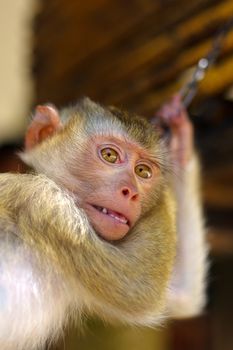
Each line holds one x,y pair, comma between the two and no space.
34,296
187,287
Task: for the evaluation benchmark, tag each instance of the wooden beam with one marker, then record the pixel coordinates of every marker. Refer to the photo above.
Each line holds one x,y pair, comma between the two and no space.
220,241
216,81
104,55
218,187
131,88
160,49
75,31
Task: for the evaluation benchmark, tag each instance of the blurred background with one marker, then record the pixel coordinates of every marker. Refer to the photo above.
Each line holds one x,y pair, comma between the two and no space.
135,54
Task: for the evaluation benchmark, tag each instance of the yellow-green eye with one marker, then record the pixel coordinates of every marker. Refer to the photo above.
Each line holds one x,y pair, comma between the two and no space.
109,154
143,171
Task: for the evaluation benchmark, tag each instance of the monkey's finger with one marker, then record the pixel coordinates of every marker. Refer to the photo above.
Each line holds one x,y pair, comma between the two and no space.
165,111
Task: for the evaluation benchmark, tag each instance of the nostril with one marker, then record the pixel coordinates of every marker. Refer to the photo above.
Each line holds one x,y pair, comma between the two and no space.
134,197
129,194
125,192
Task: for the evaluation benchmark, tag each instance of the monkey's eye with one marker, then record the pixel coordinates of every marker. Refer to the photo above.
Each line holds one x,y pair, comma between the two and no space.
109,154
143,171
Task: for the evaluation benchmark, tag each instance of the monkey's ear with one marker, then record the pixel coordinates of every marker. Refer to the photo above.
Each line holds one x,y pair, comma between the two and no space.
45,122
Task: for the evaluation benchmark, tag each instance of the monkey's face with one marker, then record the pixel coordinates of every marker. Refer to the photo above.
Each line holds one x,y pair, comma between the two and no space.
117,177
108,160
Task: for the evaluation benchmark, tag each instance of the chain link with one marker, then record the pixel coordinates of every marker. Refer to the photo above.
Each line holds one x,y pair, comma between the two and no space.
189,90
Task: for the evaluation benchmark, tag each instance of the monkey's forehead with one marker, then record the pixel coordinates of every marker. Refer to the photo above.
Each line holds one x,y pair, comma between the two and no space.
94,119
131,132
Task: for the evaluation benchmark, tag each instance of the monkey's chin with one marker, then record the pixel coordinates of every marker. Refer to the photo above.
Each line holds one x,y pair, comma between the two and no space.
109,226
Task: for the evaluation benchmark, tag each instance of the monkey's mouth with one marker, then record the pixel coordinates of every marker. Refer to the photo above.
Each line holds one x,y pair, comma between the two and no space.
113,214
108,224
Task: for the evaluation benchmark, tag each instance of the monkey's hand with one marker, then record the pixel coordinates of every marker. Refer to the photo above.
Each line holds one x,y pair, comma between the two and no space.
174,117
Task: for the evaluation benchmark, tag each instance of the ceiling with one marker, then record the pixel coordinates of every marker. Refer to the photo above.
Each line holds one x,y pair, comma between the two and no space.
134,53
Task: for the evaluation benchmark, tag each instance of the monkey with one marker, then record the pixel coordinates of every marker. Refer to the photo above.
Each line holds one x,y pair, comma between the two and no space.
95,229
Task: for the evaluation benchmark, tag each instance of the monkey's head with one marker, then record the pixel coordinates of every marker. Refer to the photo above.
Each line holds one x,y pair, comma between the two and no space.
114,166
111,161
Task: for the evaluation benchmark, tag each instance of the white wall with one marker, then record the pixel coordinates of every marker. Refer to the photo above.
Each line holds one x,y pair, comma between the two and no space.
16,86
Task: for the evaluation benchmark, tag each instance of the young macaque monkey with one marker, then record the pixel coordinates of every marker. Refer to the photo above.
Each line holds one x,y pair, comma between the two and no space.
93,229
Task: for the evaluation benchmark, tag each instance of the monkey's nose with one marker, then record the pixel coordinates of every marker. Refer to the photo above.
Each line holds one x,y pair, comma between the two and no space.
130,193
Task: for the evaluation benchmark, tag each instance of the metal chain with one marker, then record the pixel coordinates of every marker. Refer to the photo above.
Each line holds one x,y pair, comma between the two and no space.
189,90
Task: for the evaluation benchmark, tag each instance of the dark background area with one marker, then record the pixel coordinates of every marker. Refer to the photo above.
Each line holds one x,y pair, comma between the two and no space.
136,54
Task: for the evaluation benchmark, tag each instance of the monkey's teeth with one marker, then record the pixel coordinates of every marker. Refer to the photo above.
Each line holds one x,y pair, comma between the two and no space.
105,211
123,221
